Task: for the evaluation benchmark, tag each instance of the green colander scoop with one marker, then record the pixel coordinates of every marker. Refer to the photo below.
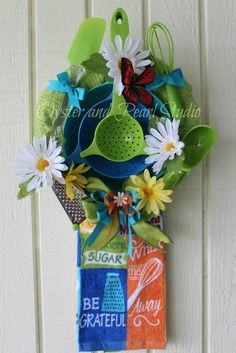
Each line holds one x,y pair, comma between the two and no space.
118,137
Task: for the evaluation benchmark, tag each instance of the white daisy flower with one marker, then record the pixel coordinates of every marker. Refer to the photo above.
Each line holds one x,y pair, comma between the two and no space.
40,163
163,144
120,199
131,50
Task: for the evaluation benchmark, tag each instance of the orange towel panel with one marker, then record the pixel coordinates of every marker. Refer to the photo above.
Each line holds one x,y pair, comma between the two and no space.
146,305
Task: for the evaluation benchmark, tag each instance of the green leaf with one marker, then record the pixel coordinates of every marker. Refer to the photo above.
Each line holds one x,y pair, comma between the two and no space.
90,208
22,193
105,236
95,184
97,64
150,234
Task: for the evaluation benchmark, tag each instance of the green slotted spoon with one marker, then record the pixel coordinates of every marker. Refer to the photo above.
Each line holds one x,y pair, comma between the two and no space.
118,137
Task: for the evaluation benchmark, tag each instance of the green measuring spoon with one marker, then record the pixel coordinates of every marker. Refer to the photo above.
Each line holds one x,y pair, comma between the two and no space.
197,143
118,137
87,40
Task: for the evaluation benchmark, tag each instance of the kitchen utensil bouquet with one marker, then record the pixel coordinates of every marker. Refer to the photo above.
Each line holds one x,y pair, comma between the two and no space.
115,135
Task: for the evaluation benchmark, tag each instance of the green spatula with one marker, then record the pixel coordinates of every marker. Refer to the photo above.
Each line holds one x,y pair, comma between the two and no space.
87,40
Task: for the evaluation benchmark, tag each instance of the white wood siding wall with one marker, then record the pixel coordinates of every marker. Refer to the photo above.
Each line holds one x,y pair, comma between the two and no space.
37,244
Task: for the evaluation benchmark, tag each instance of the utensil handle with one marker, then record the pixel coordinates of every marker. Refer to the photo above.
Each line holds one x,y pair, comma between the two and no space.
133,297
118,107
119,25
92,149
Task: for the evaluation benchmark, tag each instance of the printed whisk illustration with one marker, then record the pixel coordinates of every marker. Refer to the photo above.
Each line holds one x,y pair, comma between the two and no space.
150,272
113,300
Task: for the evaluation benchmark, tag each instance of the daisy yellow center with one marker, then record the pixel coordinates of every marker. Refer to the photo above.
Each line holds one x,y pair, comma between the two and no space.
42,164
119,64
148,191
170,146
120,199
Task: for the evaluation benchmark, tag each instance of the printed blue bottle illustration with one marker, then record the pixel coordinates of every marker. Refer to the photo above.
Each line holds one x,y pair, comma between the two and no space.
113,299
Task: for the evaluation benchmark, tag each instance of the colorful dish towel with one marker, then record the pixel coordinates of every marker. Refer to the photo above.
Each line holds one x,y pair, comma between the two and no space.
121,301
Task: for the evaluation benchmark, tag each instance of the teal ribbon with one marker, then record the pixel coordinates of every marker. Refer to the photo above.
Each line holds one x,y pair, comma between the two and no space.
174,78
103,217
128,216
131,220
75,94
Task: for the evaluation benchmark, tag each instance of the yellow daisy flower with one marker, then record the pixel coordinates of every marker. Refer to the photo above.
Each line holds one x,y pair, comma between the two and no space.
74,178
150,191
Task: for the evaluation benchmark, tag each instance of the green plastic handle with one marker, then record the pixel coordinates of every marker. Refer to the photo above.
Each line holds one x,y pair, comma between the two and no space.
119,25
87,40
118,106
173,177
91,150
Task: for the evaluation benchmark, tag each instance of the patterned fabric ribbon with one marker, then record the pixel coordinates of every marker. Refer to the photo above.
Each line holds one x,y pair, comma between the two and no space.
75,94
109,208
174,78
